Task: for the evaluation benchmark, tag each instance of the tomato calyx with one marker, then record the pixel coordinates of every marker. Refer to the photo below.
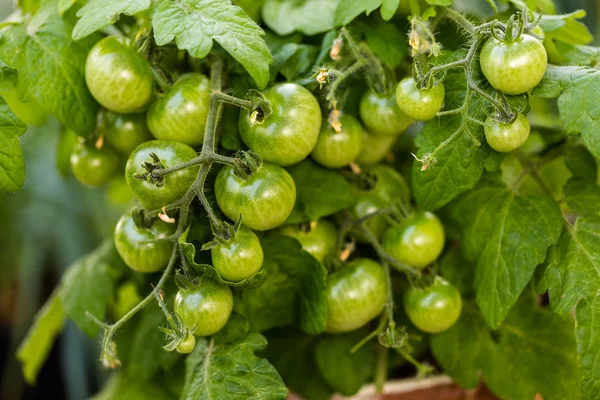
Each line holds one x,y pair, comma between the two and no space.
150,167
261,109
512,31
246,164
223,234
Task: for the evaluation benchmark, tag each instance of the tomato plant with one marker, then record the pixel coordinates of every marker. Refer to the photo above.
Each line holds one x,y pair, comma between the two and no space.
302,196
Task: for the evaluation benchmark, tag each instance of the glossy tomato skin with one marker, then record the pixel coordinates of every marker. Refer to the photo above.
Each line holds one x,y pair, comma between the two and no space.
381,115
240,258
435,308
139,256
205,308
175,184
186,346
124,132
290,133
389,184
319,242
264,201
375,149
118,77
506,137
355,295
180,114
368,202
92,166
421,105
337,149
418,240
516,67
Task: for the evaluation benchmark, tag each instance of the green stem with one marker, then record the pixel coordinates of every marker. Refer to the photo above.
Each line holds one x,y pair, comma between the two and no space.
381,368
342,76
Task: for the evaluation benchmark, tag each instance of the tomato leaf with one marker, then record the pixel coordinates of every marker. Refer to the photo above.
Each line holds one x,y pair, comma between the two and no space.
97,14
51,68
226,371
194,24
8,77
387,41
576,89
36,346
443,3
319,192
582,195
587,324
88,285
529,336
65,5
295,279
389,8
507,235
347,10
307,16
12,164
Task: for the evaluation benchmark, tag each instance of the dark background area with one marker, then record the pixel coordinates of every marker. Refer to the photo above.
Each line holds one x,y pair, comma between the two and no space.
48,225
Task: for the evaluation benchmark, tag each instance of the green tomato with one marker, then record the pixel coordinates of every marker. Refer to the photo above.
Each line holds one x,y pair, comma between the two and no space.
180,114
290,133
124,132
418,240
139,247
175,184
355,295
421,105
186,346
515,67
92,166
264,200
204,309
337,149
435,308
30,112
388,183
319,241
368,202
240,258
506,137
381,115
118,77
375,149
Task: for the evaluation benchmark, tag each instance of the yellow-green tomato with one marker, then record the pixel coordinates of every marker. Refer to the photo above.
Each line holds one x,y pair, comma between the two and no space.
206,308
381,115
186,346
124,132
419,104
180,114
355,295
337,149
92,166
435,308
506,137
418,240
240,258
140,248
375,149
319,241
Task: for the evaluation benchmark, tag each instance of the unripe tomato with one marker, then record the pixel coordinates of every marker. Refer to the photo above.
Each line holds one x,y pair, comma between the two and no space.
375,149
175,184
264,201
139,247
180,114
319,241
240,258
337,149
435,308
206,308
418,104
418,240
117,76
506,137
290,133
92,166
124,132
186,346
381,115
355,295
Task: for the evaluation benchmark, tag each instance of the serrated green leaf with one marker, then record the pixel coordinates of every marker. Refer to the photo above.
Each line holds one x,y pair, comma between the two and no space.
307,16
293,60
120,386
8,77
582,195
295,279
582,164
51,68
458,271
320,192
507,235
529,337
347,10
12,164
344,372
36,346
231,371
194,24
578,103
65,5
88,285
97,14
389,8
587,324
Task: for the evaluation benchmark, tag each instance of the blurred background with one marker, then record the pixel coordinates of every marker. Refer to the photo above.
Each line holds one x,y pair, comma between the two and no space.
53,221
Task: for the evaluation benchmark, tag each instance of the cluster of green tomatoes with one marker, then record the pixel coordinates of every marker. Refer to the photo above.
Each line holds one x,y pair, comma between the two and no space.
168,128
